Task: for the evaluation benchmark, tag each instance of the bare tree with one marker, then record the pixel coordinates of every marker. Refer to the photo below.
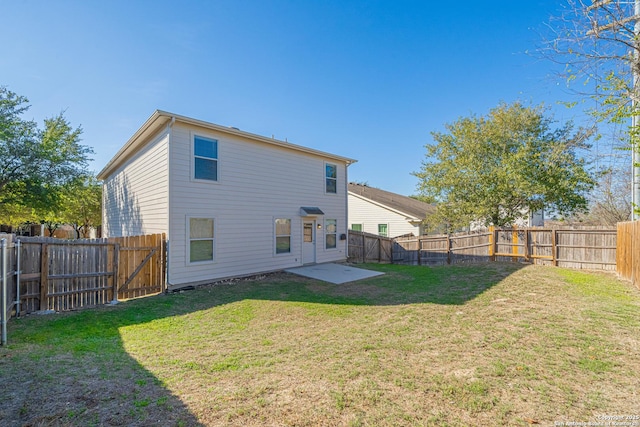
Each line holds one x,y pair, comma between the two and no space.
598,46
609,202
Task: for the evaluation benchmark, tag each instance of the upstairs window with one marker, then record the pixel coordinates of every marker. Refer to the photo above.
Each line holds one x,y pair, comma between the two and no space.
205,153
331,178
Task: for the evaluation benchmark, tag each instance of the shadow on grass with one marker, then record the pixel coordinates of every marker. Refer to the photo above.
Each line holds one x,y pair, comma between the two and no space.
75,369
407,284
72,369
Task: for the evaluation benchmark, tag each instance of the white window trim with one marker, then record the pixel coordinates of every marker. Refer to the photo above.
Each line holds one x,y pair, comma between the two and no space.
275,235
378,228
324,181
326,234
192,161
188,240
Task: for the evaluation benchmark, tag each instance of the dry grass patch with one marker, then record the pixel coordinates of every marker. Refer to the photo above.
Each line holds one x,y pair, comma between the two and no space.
494,344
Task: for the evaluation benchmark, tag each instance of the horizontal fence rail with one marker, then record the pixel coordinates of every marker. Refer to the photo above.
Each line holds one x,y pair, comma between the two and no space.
584,248
366,247
60,275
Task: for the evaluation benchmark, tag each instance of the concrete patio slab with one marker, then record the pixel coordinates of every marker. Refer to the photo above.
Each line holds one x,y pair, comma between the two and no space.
333,273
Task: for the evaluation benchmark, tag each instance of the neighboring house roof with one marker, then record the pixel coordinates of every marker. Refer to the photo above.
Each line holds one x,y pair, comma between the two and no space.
160,119
406,205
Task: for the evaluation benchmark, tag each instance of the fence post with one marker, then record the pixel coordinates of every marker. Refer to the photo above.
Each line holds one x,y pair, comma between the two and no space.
44,275
492,243
364,248
419,251
18,246
3,282
634,232
554,248
116,276
526,245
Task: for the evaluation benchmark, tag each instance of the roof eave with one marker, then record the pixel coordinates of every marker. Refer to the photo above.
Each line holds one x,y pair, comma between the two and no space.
159,118
153,123
260,138
408,217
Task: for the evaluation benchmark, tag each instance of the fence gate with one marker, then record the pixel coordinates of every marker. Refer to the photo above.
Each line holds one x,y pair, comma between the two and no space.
140,265
366,247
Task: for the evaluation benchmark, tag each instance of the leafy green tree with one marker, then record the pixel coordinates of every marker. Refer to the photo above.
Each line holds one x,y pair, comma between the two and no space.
35,162
82,204
16,214
497,168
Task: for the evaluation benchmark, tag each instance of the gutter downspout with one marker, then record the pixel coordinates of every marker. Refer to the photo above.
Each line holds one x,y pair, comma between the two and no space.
168,248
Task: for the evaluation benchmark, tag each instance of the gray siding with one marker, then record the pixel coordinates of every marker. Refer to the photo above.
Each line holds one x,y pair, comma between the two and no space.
257,183
135,198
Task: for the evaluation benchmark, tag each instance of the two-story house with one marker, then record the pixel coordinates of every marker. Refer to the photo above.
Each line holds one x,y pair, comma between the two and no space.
231,203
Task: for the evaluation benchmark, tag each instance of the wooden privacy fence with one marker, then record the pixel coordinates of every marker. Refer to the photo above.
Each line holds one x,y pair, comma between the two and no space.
366,247
442,249
628,252
587,248
592,248
56,274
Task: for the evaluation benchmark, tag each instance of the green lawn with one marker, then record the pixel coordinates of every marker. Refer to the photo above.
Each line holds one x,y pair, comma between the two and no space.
491,344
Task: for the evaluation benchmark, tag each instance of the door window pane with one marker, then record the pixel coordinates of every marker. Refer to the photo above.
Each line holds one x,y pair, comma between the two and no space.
308,233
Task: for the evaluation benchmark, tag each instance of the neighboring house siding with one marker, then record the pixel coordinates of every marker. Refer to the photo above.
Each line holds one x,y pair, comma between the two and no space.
526,220
256,184
369,214
135,196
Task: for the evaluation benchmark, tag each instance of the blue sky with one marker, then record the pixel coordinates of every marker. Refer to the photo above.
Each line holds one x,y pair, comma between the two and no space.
363,79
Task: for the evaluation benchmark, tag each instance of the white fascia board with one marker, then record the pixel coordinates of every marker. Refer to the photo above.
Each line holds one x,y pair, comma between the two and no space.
407,216
160,118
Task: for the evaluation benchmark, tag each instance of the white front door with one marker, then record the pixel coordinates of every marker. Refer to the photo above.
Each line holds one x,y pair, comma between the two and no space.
308,241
